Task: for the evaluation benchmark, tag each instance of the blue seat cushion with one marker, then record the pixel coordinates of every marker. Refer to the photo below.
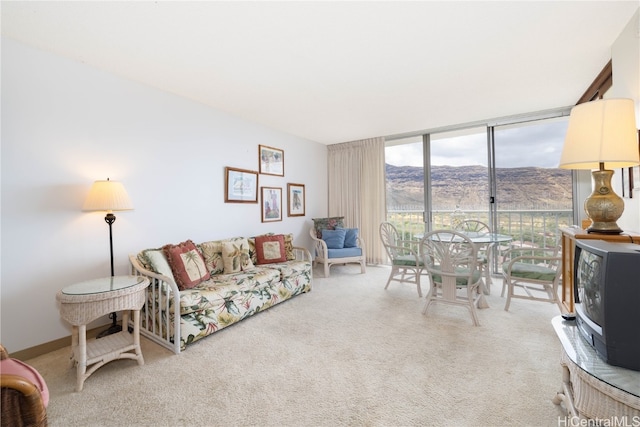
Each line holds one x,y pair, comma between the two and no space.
344,252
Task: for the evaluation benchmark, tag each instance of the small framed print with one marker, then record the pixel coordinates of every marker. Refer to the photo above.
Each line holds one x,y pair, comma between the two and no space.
271,204
241,186
295,199
271,160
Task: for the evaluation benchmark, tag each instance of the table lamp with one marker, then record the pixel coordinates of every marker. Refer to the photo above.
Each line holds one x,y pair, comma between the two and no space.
602,132
108,196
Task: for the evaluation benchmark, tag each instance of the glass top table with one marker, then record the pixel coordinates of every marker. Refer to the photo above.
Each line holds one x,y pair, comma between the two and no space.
106,284
586,358
480,238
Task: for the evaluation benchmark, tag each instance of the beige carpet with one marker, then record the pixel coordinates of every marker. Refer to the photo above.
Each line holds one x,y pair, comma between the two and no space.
348,353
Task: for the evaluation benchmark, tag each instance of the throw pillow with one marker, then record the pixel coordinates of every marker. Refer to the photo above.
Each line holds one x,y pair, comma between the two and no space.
334,238
158,262
187,264
288,247
350,239
212,254
235,255
270,249
327,224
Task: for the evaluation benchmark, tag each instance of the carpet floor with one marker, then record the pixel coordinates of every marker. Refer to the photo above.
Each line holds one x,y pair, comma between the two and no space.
349,353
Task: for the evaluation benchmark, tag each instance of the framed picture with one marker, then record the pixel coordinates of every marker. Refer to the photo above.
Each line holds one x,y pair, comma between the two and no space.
240,186
271,204
271,160
295,199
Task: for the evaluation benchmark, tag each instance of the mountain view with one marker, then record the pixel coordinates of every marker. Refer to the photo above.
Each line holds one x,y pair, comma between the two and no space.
465,187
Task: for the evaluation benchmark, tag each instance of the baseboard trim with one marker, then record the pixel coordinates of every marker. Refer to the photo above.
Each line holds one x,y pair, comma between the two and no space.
48,347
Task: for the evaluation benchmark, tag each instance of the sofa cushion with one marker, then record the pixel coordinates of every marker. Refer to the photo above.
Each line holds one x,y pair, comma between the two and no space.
212,254
235,255
334,238
270,249
219,291
330,223
158,262
288,247
344,252
187,264
351,238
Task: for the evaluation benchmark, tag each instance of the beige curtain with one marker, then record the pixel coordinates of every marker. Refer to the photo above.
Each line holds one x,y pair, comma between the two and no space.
357,190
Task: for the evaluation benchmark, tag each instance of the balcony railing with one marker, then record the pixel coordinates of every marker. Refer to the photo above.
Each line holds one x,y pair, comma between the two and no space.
532,228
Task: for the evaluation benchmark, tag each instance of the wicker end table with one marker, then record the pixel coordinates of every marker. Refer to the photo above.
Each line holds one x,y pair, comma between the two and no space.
84,302
591,388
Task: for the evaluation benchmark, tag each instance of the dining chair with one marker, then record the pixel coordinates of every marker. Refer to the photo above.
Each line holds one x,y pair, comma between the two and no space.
534,270
484,250
406,264
451,260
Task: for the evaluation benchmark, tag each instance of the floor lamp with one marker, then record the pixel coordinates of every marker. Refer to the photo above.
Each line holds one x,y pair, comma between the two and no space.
108,196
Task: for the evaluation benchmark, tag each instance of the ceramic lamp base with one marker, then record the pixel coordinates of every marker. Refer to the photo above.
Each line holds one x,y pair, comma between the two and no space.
603,206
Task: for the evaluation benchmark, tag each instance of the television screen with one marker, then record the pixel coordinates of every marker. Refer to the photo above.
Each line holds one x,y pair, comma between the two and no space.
588,282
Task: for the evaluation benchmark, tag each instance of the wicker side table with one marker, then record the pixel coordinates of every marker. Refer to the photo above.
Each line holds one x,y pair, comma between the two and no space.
591,388
84,302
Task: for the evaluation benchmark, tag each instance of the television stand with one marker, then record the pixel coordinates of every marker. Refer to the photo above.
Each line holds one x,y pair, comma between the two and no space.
591,388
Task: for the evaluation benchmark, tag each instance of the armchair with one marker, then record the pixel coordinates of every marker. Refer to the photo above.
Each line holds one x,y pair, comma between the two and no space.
535,270
24,393
334,244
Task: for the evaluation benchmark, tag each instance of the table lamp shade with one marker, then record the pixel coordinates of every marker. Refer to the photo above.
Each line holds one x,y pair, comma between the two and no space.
602,131
602,135
107,196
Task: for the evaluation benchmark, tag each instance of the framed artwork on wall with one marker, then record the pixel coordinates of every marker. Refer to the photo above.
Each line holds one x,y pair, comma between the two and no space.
271,204
271,160
295,199
240,186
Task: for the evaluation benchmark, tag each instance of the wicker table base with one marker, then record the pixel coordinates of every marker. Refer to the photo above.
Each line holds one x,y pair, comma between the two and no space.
591,388
84,302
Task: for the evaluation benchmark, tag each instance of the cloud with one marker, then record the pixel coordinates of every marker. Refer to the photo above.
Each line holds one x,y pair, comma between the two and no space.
537,144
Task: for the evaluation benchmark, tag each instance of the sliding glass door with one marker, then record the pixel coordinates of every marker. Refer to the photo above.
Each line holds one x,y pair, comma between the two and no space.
533,196
503,175
458,179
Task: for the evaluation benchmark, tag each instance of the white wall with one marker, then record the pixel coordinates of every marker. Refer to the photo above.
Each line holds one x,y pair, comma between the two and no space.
625,55
65,125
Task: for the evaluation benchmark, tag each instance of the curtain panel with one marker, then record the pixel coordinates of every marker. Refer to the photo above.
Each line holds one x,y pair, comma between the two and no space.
357,190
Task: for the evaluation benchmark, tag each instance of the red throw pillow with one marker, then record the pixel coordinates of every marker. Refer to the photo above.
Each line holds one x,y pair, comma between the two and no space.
270,249
187,264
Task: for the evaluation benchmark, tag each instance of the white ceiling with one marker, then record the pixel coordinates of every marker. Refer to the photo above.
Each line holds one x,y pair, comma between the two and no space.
344,70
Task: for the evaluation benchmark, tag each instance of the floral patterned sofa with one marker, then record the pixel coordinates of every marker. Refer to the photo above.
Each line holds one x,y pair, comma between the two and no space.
214,284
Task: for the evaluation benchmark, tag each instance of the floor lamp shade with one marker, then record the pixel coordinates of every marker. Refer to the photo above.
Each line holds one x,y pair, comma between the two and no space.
602,134
107,196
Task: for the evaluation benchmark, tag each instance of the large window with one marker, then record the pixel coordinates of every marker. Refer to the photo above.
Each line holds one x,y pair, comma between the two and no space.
505,175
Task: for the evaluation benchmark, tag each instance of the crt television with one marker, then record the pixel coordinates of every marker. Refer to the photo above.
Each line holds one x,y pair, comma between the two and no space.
607,299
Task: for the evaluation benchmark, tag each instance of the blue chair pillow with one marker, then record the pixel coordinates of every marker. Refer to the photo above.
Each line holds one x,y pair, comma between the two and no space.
334,238
350,238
